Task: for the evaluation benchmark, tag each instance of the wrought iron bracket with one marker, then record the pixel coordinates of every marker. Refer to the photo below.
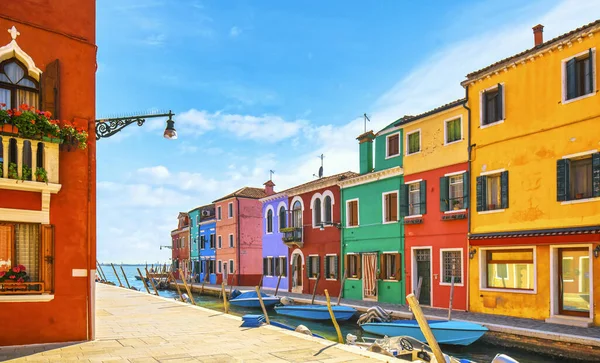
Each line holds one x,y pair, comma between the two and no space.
110,126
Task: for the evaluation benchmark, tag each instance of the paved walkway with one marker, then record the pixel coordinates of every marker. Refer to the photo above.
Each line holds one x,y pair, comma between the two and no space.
136,327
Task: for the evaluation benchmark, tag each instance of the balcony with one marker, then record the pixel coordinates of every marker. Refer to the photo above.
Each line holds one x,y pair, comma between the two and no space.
292,236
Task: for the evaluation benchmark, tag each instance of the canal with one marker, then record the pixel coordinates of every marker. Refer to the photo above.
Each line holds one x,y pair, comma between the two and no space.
478,351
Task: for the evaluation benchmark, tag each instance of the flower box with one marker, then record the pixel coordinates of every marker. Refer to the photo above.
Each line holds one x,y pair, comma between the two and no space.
9,129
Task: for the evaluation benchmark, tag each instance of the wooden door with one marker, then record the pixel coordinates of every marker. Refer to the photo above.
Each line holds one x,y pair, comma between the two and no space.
573,299
423,261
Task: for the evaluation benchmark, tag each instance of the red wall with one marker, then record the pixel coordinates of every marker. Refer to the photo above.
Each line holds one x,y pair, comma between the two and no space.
437,233
227,226
63,30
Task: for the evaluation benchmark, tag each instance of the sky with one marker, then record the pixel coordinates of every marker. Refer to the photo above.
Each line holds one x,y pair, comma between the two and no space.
271,85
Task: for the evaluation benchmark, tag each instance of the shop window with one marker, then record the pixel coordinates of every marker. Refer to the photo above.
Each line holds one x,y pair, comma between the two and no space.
313,267
353,267
451,266
331,267
389,266
510,269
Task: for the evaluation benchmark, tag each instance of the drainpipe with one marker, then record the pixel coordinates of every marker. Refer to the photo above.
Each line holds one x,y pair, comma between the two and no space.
470,188
342,259
239,265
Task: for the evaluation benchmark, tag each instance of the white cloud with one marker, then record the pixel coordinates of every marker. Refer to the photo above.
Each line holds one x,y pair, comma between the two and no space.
234,32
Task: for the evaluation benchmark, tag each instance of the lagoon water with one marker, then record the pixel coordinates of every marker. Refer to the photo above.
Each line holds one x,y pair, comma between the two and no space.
479,351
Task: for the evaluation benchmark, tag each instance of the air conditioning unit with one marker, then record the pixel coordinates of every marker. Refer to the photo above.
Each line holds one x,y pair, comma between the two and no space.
205,213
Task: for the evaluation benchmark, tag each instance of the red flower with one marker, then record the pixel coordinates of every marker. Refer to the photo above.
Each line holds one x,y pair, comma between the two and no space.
2,104
24,107
16,269
48,114
21,267
32,121
20,279
17,113
2,273
9,112
12,277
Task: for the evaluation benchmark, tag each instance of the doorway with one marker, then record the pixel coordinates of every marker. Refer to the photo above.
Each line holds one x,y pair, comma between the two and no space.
422,270
573,281
369,263
297,273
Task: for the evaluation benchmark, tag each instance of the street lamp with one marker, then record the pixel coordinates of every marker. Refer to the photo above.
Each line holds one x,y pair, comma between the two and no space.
169,247
110,126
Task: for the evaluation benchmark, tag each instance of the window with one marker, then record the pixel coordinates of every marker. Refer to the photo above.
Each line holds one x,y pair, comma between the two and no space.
390,207
219,267
353,268
413,142
492,105
282,266
510,269
581,179
317,213
313,267
211,266
270,221
230,240
453,192
580,75
414,199
231,270
230,210
578,178
328,210
451,266
202,242
16,86
212,241
268,266
389,266
219,244
453,130
492,191
219,213
297,215
282,217
393,145
352,213
331,267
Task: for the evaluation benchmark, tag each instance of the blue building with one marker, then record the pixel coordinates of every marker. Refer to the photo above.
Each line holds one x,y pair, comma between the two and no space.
206,228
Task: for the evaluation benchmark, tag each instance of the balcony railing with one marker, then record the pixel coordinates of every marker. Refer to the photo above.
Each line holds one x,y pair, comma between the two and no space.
20,159
292,236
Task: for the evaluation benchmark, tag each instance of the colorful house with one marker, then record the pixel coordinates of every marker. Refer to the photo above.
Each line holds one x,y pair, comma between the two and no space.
207,237
181,247
372,233
275,254
535,175
48,227
313,235
434,204
239,236
194,216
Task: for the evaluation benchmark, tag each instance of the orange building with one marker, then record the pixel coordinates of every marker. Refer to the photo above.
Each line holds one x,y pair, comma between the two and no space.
48,60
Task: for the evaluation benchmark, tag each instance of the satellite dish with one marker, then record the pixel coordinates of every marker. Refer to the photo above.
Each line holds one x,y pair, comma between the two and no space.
321,172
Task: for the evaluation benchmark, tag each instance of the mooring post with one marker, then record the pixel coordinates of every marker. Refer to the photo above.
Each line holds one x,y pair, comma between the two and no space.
189,292
417,293
277,287
151,282
143,281
262,305
116,274
125,276
335,324
315,288
172,278
342,288
451,297
431,341
224,298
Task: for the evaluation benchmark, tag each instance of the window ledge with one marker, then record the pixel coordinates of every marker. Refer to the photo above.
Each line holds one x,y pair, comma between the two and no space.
29,186
414,216
482,126
593,93
352,278
312,278
390,222
453,142
352,226
415,153
449,284
491,211
512,291
388,280
576,201
328,279
455,211
392,156
27,298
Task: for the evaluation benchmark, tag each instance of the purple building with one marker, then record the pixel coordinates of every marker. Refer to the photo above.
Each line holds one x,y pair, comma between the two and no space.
275,254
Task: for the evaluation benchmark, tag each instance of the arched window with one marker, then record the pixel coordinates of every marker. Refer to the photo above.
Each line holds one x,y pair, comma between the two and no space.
26,168
317,212
270,221
328,210
297,215
16,87
282,218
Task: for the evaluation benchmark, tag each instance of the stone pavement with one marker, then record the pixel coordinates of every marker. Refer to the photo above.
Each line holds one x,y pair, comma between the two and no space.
133,326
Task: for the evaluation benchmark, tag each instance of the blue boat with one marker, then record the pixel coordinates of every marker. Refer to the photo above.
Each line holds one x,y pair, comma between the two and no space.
287,327
316,312
445,332
249,299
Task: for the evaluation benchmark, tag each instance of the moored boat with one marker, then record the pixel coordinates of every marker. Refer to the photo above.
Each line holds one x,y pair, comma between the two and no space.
316,312
249,299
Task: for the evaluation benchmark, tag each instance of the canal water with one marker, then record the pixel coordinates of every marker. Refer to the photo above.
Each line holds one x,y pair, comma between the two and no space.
478,351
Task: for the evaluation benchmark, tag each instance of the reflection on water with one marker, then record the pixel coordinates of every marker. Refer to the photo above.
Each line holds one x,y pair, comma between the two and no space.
478,351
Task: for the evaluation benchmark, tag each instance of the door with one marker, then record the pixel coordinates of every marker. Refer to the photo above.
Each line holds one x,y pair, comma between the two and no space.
224,273
423,263
369,276
297,274
574,281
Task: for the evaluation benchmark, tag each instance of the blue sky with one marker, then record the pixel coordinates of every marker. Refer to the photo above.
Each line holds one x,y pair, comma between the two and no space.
259,85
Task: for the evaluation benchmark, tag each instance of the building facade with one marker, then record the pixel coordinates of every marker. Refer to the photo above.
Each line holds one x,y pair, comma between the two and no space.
180,251
48,227
372,233
275,254
535,175
313,235
239,236
207,242
194,238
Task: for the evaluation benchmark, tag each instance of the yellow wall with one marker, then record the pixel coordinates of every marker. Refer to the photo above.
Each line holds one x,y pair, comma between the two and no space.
434,153
537,131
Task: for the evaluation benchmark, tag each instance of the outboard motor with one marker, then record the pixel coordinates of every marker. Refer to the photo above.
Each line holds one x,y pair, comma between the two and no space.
350,339
304,330
235,293
502,358
286,301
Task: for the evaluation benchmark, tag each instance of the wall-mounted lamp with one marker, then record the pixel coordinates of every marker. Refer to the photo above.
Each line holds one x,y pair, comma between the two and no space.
597,251
472,253
336,225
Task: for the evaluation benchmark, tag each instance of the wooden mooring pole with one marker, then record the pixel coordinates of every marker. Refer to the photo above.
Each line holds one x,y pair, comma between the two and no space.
451,297
277,287
262,305
417,294
224,298
143,281
315,289
172,278
431,341
102,275
116,274
151,280
335,324
125,276
342,288
189,292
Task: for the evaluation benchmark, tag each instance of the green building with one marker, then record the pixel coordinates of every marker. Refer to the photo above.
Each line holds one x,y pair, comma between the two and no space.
373,232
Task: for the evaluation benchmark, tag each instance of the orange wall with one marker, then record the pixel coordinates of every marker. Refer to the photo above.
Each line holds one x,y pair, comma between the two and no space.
73,209
225,226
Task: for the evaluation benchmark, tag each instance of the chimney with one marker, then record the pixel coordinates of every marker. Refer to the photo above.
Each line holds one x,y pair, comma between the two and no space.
269,187
538,34
365,144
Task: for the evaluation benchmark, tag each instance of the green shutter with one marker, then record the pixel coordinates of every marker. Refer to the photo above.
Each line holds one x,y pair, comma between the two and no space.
571,79
318,258
308,266
591,70
504,189
499,115
466,190
265,261
326,266
596,174
403,197
285,267
484,107
423,196
335,267
562,179
444,194
481,190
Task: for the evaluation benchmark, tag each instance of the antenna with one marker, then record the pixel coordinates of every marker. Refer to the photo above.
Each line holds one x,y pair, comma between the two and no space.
271,172
321,168
366,119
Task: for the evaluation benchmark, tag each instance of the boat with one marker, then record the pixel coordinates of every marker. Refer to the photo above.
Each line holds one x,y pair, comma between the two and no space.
249,299
300,329
316,312
254,321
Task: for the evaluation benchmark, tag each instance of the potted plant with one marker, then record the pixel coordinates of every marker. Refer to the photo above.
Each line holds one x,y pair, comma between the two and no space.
491,206
456,204
578,195
14,278
25,173
41,175
12,171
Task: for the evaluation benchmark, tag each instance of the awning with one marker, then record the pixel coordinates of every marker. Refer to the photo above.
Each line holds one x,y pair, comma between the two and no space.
541,236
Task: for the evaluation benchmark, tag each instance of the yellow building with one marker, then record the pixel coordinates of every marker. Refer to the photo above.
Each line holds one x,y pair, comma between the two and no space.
535,181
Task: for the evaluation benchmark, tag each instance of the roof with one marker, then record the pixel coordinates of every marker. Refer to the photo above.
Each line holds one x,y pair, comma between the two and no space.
537,233
447,106
245,192
202,207
319,183
530,51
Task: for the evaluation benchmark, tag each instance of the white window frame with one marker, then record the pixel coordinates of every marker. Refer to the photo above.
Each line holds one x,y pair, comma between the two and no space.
219,213
418,181
269,265
231,267
481,125
313,199
394,253
446,143
219,266
462,268
450,176
420,142
357,213
383,209
229,210
219,242
270,207
230,241
483,269
387,156
309,273
563,70
327,272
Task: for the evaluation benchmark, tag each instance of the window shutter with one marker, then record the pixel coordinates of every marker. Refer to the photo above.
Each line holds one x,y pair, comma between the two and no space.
481,193
504,189
499,115
358,266
571,79
562,179
354,218
47,257
596,174
393,206
381,275
273,270
317,260
484,106
403,196
444,194
50,86
7,235
423,196
466,189
265,262
335,267
346,266
308,266
326,266
398,267
591,70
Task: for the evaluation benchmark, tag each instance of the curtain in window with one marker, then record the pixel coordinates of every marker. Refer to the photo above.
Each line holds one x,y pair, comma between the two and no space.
297,215
27,97
317,211
282,218
28,248
5,97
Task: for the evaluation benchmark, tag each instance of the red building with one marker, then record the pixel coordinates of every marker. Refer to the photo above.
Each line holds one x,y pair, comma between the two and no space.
181,246
48,61
313,235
